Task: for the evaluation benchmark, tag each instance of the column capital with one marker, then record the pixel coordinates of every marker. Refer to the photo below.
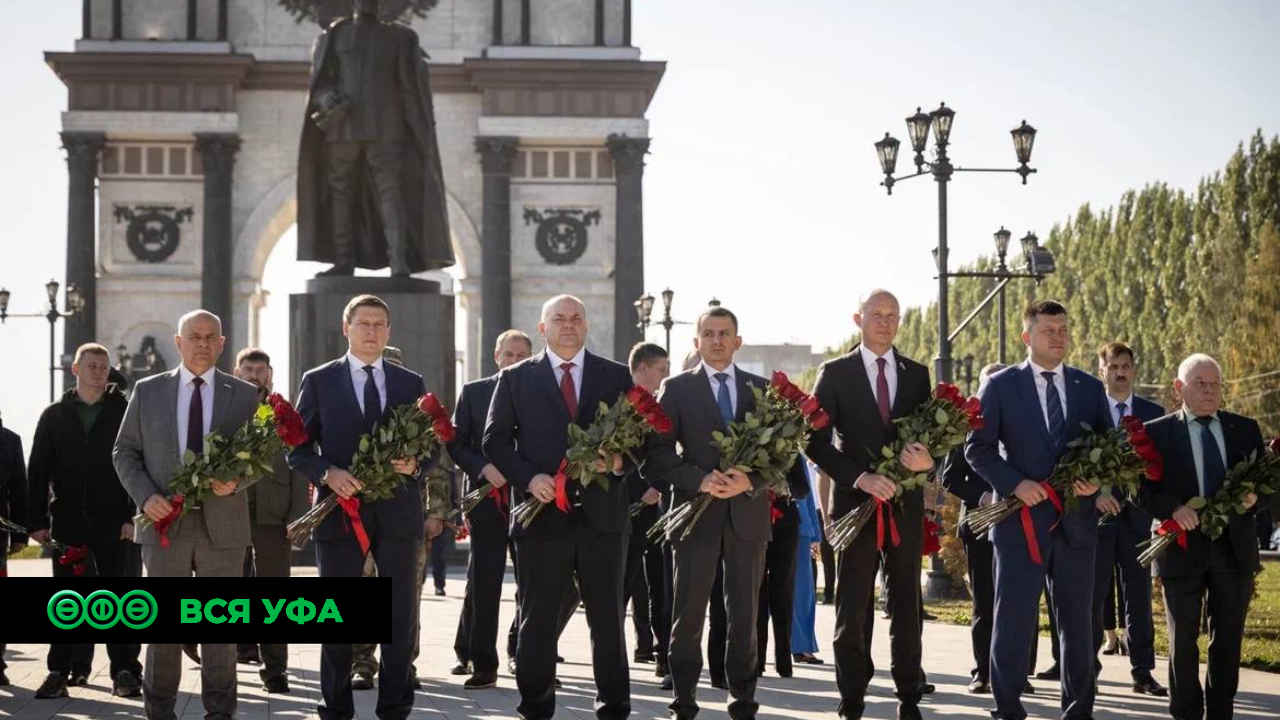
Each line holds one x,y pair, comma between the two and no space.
628,153
497,153
83,147
217,151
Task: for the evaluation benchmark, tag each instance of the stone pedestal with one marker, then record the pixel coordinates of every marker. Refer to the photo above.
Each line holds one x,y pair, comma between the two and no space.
421,326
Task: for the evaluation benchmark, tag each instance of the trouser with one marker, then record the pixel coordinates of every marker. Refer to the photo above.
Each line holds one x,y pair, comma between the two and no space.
476,641
346,165
1117,555
981,557
777,599
270,556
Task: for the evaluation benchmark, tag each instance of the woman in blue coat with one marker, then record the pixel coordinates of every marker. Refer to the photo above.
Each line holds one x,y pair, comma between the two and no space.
804,638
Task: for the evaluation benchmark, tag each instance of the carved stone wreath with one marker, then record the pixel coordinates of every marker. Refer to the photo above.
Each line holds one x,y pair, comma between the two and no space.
561,235
324,12
153,233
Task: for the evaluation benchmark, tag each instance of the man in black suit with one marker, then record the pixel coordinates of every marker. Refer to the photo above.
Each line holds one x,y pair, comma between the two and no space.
778,588
13,502
476,644
526,438
864,391
733,531
1199,443
1119,535
339,401
643,583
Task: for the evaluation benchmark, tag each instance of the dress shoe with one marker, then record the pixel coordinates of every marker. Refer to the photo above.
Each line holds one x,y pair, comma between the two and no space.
192,651
77,679
807,659
511,666
338,271
668,683
439,592
559,658
462,668
361,681
828,600
909,711
558,684
1144,684
249,656
719,683
1028,688
126,685
643,657
1053,673
926,615
660,667
979,687
480,681
416,683
276,684
927,688
785,672
54,686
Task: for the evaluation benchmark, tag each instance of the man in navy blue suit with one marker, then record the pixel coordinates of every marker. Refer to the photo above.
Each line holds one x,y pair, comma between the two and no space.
1034,409
340,401
526,438
1119,535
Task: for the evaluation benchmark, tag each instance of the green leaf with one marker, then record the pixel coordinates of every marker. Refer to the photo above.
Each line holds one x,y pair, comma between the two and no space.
1196,503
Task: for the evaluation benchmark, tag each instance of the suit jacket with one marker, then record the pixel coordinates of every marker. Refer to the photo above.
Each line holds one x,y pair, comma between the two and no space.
1014,417
851,444
1181,483
329,408
469,418
694,414
13,486
146,452
1132,513
280,498
527,434
959,479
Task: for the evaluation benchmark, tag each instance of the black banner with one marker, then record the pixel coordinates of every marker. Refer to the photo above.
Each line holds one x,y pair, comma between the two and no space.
225,610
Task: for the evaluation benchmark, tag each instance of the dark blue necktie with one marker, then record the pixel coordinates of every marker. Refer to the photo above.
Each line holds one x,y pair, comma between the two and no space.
1053,403
722,398
1214,470
372,403
1123,410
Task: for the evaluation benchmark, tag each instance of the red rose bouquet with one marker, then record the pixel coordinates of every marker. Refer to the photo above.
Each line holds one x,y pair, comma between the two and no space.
76,557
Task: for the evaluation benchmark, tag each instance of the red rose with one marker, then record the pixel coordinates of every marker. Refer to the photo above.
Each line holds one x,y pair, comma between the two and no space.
1155,469
977,423
661,424
635,395
973,407
794,394
809,406
819,419
444,429
289,426
275,399
1131,424
779,380
431,406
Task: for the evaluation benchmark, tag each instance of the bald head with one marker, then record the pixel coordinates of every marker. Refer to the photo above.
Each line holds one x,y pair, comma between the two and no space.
198,315
877,317
877,296
199,340
564,325
562,303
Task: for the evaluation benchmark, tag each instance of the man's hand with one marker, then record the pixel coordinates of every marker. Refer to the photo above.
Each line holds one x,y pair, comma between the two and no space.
157,507
877,486
715,482
39,537
916,458
738,482
405,466
466,524
433,527
492,476
126,532
1107,505
1186,518
223,489
1250,500
543,487
343,483
650,497
988,498
1084,489
609,464
1030,493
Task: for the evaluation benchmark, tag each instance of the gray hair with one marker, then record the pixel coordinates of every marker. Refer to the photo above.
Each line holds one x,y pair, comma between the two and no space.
546,306
987,371
197,314
874,295
1194,361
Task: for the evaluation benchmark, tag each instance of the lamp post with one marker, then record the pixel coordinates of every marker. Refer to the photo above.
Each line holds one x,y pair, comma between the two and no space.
73,303
919,125
644,314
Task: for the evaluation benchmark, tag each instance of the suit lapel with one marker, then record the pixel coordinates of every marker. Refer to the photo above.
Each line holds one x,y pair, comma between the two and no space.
746,395
898,400
866,398
1031,399
342,379
222,392
169,401
1182,446
1075,399
545,378
1235,453
590,364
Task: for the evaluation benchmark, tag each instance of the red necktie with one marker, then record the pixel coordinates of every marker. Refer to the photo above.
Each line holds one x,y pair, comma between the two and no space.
566,389
882,392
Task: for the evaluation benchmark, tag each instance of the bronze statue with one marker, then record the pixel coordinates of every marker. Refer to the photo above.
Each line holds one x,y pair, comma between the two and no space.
370,188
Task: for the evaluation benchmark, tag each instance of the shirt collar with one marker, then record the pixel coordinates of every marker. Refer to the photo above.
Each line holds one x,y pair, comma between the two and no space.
1057,370
711,372
185,375
1189,417
869,358
357,365
557,361
1128,402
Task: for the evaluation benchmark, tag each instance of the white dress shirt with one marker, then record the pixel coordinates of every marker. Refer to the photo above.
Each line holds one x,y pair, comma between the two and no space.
732,382
185,388
1042,390
1115,408
575,372
359,377
873,371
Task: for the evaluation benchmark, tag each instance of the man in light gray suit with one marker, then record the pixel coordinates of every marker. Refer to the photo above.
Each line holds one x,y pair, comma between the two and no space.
168,415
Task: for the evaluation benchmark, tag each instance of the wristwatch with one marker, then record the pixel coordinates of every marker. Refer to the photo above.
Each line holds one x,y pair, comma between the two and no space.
324,477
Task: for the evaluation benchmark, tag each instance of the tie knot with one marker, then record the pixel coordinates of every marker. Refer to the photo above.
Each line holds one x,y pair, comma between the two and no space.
721,376
1049,375
1205,421
566,366
197,381
368,370
881,362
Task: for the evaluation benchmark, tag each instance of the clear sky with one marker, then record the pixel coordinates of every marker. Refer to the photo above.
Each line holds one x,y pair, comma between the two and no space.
762,187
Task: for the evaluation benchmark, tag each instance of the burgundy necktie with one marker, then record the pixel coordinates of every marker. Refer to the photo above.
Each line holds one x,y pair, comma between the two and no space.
195,418
566,389
882,392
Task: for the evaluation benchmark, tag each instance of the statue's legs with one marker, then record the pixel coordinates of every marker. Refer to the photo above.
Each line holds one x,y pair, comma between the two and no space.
341,166
383,161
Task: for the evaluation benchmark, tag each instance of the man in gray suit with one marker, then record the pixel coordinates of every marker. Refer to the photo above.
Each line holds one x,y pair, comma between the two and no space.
169,415
274,502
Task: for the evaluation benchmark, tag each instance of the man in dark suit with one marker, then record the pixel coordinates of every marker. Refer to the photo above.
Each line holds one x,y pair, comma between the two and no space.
1119,535
643,581
778,588
864,391
526,438
1199,443
169,416
476,643
1032,411
274,502
340,401
960,480
13,502
76,499
733,531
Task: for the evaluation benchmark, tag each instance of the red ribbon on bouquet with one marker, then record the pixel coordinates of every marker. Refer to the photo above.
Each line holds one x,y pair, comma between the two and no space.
1171,527
501,497
75,557
931,542
351,506
1029,528
774,513
881,506
162,525
562,487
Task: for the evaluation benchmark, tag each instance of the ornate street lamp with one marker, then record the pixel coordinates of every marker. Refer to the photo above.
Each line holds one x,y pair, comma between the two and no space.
74,303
